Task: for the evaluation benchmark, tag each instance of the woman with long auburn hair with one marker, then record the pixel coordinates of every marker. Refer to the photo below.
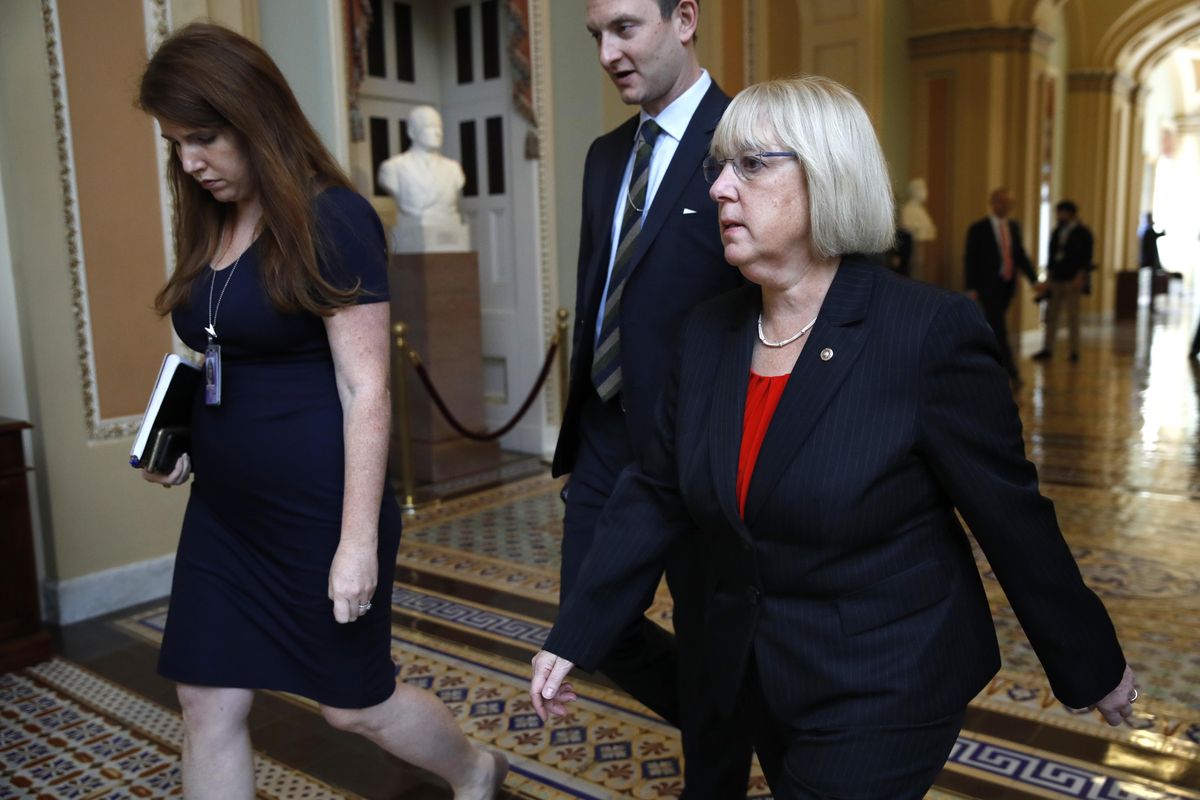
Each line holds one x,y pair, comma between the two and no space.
285,563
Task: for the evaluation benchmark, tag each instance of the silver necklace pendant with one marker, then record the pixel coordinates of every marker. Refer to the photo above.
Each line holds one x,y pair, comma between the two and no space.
211,328
784,342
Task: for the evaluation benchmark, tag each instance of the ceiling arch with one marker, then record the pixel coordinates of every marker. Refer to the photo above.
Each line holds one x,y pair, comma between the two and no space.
1143,33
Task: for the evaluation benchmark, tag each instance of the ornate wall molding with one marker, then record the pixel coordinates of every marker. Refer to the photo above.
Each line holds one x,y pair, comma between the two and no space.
157,22
992,39
1187,124
1099,80
157,15
539,56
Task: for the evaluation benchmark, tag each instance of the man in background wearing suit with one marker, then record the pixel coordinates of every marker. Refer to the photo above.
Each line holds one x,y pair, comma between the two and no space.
1069,263
994,254
649,250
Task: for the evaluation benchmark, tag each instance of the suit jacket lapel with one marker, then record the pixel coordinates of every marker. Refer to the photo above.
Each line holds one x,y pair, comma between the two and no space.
814,381
730,383
690,154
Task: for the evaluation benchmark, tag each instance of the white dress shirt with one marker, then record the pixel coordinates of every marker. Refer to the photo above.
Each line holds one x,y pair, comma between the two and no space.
996,223
673,120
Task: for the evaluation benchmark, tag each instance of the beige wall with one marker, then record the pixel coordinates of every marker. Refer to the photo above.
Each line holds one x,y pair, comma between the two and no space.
581,95
113,145
96,512
896,110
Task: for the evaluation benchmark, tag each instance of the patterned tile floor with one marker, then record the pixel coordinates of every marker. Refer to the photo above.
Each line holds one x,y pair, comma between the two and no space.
69,733
1116,438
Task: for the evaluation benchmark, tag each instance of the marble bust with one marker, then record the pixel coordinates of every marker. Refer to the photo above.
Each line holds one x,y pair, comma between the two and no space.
913,216
425,185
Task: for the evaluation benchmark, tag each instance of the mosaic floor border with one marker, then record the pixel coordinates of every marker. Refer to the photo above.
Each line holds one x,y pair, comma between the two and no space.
477,502
1055,777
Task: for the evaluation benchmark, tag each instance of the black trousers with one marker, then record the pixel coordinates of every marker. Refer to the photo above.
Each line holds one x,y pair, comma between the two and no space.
995,311
663,672
896,762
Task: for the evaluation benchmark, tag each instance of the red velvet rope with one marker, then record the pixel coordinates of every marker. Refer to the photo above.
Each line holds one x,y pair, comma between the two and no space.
508,426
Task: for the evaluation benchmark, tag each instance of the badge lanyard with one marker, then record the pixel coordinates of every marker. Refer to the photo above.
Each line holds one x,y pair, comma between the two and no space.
212,353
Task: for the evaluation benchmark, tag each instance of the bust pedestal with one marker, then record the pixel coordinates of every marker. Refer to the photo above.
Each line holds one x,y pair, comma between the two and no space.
22,639
416,238
437,296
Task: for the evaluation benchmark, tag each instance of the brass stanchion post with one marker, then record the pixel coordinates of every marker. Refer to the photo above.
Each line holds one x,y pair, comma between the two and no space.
563,361
401,403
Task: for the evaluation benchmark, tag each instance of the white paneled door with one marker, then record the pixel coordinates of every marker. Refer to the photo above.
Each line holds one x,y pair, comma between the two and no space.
453,55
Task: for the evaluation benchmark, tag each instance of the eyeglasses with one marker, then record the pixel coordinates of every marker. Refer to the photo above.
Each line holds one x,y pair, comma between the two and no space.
747,167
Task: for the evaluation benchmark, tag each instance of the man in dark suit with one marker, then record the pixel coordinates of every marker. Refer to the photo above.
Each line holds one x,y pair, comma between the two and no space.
1069,263
994,254
649,251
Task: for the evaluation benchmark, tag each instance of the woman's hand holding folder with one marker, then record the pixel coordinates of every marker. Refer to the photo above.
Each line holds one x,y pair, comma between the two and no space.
181,473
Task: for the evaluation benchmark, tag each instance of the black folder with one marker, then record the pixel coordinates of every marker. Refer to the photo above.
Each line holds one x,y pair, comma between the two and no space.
163,432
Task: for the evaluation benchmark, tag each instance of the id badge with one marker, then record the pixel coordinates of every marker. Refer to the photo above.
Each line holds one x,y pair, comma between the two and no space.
212,374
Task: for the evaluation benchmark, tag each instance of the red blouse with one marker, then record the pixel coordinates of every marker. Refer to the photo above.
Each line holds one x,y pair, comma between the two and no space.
762,396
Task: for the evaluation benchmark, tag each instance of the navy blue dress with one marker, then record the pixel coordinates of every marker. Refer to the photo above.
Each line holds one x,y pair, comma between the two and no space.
249,602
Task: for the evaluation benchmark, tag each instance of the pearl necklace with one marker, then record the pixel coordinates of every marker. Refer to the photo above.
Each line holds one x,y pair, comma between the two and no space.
787,341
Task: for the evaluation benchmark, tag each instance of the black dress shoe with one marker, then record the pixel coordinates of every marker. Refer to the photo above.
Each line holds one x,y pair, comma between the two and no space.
1041,355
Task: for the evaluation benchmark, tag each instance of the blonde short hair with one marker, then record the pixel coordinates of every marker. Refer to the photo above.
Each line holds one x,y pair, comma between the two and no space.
850,195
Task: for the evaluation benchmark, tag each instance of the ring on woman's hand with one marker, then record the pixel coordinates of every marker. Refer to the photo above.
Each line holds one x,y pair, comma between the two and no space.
364,606
1133,695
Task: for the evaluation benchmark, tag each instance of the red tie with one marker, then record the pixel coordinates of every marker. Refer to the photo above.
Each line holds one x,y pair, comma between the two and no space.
1006,269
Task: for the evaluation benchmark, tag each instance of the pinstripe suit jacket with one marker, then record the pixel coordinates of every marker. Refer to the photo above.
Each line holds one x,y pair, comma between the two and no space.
850,579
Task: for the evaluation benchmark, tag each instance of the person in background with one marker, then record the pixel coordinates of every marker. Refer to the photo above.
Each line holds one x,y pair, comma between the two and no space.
1149,243
994,254
898,257
284,571
1069,262
818,433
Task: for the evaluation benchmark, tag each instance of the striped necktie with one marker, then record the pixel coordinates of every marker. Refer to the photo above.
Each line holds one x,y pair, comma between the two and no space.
606,362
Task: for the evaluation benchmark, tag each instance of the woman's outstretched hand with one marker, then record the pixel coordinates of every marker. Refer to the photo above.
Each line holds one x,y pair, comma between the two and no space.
546,689
1117,705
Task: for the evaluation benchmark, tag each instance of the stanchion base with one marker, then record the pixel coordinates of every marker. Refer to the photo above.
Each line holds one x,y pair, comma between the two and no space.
411,504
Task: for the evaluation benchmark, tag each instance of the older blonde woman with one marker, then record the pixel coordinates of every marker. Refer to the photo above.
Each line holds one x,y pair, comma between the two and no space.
821,429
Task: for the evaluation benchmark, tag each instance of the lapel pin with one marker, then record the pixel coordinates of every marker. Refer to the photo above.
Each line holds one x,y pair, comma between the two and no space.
826,354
